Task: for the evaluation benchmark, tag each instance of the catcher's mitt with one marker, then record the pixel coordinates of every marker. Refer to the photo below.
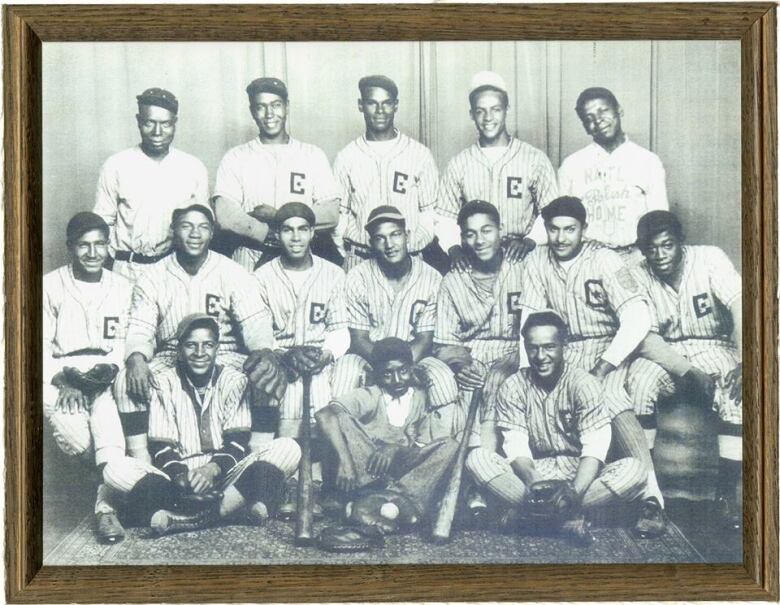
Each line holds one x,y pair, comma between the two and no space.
349,539
384,510
551,501
266,373
187,500
92,382
301,360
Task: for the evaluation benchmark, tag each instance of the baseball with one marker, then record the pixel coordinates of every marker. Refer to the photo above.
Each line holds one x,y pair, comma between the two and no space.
389,510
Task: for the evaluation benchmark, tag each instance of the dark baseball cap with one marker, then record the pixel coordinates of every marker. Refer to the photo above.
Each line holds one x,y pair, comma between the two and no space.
82,223
382,214
193,322
378,81
159,97
565,206
291,209
272,85
204,210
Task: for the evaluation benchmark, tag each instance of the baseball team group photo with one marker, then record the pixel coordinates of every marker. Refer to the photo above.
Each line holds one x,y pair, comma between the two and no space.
392,302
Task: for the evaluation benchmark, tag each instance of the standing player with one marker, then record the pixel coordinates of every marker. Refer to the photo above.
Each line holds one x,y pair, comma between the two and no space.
515,177
138,188
385,166
85,310
199,422
304,294
191,280
607,316
555,426
696,297
256,178
392,295
617,180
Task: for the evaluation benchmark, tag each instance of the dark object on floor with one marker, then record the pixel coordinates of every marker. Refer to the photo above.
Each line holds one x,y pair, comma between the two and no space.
550,501
167,522
109,529
577,531
652,520
386,510
350,539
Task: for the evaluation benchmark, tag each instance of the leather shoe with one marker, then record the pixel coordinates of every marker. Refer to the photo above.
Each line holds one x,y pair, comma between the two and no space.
109,529
577,531
652,520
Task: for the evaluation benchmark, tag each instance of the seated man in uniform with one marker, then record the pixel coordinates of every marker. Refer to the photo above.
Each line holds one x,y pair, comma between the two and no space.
386,436
555,426
85,310
696,298
392,294
192,280
199,429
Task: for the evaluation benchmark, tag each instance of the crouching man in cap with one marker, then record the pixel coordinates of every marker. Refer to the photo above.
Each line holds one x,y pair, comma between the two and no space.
556,433
199,430
254,180
385,436
139,187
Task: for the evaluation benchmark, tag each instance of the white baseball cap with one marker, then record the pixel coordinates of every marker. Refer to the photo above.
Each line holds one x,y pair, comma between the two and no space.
487,79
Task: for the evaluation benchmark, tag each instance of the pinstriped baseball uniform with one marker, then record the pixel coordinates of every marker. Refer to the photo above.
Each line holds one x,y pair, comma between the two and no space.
373,306
587,295
520,183
482,315
404,175
555,423
302,317
83,324
136,195
166,293
195,427
253,173
696,321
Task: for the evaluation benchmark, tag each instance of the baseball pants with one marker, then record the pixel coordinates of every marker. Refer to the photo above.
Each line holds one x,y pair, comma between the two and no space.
621,480
291,407
351,372
416,473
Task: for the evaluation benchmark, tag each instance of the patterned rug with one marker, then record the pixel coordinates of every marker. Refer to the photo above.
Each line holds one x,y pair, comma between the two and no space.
273,545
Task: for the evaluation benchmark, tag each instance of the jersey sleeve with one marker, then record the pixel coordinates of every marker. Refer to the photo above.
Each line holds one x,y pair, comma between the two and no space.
449,198
511,405
565,180
341,174
359,403
336,317
162,420
426,322
325,186
726,283
533,297
106,194
429,183
446,332
236,416
228,180
142,323
201,184
356,301
619,283
656,196
588,395
544,183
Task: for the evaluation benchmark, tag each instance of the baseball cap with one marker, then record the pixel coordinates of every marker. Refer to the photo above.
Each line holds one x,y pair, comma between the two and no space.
565,206
81,223
391,348
204,210
484,80
272,85
382,214
160,98
378,81
291,209
193,322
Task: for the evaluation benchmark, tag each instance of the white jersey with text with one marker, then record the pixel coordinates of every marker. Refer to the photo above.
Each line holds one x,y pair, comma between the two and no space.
519,183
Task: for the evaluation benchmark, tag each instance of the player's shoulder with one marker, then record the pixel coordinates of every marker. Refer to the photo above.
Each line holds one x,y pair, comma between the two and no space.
226,377
712,256
602,255
55,278
350,150
169,379
117,282
427,273
123,158
464,157
638,151
328,270
525,149
309,149
582,155
185,158
227,265
243,150
267,271
580,380
362,272
453,280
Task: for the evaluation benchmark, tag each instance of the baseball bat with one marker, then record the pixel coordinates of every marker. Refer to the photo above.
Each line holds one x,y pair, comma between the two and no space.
304,535
449,502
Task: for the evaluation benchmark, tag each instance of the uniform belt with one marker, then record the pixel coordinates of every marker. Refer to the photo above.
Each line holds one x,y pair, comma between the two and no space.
134,257
85,352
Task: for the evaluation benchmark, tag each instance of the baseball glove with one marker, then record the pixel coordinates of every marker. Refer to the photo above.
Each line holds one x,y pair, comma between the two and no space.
92,382
384,510
349,539
301,360
187,500
266,373
551,501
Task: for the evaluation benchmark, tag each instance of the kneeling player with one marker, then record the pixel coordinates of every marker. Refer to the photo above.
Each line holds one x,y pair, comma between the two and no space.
85,311
386,436
555,426
199,428
696,296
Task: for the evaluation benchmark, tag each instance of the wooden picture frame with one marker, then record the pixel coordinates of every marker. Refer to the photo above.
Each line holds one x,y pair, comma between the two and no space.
26,27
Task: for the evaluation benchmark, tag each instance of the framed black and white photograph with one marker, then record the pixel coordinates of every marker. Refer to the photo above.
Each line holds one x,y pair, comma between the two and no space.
398,303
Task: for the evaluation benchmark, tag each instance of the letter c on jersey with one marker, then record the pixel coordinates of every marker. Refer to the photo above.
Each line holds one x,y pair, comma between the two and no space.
514,187
296,183
316,313
701,305
399,182
110,326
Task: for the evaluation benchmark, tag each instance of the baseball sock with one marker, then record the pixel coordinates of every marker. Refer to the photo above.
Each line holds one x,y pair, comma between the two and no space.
262,482
102,500
730,460
232,501
149,495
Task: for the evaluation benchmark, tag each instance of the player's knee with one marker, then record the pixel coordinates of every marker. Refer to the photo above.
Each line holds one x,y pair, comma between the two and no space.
71,433
286,454
478,462
634,478
121,474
